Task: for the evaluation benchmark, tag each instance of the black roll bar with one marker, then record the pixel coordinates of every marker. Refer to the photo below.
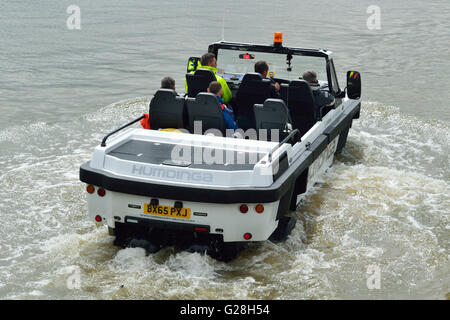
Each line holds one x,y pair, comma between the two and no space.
290,136
122,127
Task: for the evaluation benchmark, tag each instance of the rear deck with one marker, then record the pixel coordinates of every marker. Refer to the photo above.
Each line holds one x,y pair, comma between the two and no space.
194,157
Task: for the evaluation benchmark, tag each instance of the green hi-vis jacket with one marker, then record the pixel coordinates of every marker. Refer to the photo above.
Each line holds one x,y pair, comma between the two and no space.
227,95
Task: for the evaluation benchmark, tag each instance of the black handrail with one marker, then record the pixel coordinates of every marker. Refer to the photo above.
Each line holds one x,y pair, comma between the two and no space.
122,127
289,136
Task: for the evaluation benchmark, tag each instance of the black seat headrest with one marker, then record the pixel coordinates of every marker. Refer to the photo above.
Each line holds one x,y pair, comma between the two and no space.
299,90
199,81
205,108
165,94
166,110
207,98
252,76
284,91
253,90
207,73
253,83
304,113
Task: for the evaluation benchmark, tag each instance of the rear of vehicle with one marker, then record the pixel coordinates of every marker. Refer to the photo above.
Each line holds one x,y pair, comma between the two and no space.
213,193
219,194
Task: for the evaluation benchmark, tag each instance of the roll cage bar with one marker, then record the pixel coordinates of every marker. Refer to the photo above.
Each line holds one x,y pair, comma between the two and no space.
288,51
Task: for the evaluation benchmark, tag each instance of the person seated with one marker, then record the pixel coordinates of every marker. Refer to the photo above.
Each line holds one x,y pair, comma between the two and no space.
166,83
321,98
209,61
262,68
216,88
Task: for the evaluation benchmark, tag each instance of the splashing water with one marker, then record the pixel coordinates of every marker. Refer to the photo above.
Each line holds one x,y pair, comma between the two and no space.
384,202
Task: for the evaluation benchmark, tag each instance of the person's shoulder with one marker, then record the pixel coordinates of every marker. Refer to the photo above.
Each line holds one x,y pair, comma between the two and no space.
223,82
319,92
273,91
220,78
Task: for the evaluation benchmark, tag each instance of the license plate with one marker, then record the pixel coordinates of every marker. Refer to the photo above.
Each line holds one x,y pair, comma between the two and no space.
166,211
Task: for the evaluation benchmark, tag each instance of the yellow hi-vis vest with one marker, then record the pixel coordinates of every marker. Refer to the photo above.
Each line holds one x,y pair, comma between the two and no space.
227,95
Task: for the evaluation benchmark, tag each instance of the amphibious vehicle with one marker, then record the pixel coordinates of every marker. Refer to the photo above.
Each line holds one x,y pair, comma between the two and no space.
202,187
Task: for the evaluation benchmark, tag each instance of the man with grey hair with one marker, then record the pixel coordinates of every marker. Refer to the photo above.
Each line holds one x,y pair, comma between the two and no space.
321,98
168,83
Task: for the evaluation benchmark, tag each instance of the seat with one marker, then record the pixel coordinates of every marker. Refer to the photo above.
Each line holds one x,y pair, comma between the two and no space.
304,114
199,81
273,114
205,108
253,90
166,110
284,92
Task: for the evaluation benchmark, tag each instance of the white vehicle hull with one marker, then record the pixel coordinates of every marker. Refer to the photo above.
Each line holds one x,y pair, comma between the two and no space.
132,173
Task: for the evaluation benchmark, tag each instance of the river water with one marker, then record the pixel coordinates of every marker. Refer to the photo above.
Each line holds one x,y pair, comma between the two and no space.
384,204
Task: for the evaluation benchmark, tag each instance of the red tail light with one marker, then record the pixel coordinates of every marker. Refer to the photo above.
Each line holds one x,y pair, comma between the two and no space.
247,236
243,208
101,192
98,218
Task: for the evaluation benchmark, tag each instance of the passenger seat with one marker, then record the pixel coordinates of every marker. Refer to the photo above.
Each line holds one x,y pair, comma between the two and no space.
301,105
199,81
166,110
284,92
205,108
273,114
253,90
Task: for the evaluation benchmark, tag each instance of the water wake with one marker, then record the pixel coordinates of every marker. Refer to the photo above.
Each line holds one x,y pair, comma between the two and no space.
385,202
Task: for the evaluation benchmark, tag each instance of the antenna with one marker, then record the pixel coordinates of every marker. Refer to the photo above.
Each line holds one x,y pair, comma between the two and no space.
223,21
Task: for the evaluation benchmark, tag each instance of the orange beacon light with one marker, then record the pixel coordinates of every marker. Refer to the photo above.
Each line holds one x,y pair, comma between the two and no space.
278,38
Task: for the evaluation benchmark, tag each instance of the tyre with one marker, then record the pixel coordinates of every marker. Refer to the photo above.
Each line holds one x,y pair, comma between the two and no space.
285,226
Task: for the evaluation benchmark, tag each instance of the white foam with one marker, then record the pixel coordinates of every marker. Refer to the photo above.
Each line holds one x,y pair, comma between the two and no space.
384,202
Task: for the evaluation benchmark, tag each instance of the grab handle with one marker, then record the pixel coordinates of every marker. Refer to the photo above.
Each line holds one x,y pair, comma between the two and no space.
292,134
122,127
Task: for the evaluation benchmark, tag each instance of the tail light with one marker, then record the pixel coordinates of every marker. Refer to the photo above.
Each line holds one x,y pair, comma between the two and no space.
243,208
247,236
101,192
98,218
259,208
90,189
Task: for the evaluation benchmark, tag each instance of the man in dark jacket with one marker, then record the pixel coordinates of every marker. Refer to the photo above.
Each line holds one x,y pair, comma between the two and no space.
262,68
321,98
168,83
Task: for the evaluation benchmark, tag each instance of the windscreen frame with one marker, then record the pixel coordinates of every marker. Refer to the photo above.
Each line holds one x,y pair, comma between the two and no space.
214,48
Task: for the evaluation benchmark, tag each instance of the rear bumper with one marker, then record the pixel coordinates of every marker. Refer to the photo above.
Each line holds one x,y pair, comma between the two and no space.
125,197
119,209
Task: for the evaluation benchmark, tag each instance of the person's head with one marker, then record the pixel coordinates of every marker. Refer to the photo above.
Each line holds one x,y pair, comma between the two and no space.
216,88
310,76
208,59
262,68
168,83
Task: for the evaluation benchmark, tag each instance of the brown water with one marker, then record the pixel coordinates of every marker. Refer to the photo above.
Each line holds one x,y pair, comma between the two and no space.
384,203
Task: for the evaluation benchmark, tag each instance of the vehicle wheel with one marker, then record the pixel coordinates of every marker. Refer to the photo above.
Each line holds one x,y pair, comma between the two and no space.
285,226
225,252
145,244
